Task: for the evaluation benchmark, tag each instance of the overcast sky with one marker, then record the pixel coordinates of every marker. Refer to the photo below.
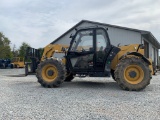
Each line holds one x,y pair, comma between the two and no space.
39,22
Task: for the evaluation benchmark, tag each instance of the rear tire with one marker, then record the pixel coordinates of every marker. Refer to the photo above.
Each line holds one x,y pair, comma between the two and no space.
50,73
132,74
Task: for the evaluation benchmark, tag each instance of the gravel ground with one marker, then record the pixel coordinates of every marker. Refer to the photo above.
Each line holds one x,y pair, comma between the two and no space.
81,99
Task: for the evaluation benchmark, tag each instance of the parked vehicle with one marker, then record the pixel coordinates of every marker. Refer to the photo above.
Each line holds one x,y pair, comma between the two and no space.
90,53
4,63
17,62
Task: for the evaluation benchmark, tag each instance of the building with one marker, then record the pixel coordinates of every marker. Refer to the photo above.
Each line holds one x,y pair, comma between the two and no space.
119,35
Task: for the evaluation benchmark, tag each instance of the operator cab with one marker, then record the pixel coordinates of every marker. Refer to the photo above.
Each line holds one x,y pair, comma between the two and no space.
89,52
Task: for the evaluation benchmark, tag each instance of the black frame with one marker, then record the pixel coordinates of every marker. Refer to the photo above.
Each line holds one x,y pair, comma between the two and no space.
33,55
111,52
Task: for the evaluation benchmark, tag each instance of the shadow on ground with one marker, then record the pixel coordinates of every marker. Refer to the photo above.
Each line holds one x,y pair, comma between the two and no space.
91,84
20,75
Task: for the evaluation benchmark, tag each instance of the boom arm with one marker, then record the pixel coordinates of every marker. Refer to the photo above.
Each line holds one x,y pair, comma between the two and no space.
50,49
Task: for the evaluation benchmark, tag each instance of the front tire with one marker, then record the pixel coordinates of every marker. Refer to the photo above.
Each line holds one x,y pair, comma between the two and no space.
132,74
50,73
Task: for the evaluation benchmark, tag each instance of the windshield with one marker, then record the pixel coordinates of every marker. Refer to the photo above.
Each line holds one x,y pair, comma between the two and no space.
83,41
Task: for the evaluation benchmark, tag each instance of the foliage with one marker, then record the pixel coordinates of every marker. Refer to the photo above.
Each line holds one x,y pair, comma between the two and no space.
5,50
15,52
22,49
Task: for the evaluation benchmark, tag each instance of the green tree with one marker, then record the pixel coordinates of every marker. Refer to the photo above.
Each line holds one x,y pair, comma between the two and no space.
22,49
5,50
15,52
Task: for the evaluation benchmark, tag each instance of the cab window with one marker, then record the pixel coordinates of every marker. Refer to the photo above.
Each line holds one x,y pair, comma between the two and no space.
83,41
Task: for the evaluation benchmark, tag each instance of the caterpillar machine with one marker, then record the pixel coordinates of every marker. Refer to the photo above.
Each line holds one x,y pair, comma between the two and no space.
17,62
90,53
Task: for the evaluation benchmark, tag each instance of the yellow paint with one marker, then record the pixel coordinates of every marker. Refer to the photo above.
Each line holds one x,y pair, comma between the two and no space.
124,50
18,61
139,74
45,75
50,49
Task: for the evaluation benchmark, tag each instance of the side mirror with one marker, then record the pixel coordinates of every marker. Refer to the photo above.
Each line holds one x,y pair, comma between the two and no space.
141,46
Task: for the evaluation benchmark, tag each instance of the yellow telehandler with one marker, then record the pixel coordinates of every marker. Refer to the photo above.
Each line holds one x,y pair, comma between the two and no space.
90,53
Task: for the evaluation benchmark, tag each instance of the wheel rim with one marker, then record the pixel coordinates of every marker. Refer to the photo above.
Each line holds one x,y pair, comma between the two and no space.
133,74
49,73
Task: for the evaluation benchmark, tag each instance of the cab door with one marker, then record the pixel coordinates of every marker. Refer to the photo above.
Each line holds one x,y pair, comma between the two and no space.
81,53
103,48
